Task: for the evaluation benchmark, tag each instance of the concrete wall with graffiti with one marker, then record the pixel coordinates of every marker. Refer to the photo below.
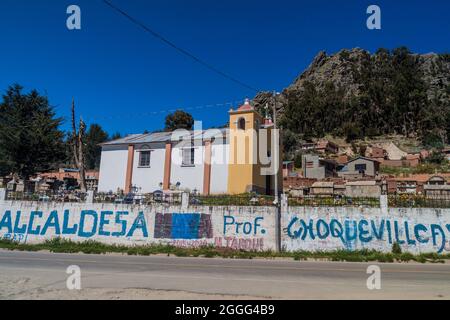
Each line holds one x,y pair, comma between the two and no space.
332,228
245,228
232,227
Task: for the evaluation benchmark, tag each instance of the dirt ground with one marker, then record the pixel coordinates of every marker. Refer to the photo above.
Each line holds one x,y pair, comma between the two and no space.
24,288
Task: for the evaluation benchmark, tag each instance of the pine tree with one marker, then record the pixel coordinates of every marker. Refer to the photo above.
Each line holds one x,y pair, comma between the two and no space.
30,139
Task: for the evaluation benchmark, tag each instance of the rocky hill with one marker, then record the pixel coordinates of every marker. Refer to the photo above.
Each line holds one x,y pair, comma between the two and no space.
356,94
344,70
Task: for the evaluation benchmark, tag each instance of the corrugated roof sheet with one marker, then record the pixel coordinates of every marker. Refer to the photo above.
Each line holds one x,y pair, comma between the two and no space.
155,137
363,158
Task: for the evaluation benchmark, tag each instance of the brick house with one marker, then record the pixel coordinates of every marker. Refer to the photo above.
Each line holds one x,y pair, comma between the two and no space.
325,146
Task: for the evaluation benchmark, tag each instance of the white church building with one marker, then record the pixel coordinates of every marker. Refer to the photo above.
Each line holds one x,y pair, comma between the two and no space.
202,161
150,162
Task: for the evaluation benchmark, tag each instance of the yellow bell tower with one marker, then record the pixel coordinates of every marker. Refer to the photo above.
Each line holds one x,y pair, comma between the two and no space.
244,169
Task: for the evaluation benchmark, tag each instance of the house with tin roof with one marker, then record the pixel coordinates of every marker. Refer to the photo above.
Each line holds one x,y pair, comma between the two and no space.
359,167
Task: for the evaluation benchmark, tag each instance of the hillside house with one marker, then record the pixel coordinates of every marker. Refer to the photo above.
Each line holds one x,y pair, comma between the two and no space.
413,160
350,189
322,146
437,187
446,153
297,186
316,168
342,159
325,146
323,188
359,167
363,189
430,185
288,169
308,146
377,153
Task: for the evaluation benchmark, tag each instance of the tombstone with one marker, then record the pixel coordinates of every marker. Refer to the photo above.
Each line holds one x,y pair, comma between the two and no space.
90,197
384,204
11,185
184,200
284,202
20,187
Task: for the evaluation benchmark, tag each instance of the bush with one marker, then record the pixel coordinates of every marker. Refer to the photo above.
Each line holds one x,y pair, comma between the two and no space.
432,140
405,257
352,132
436,157
92,247
396,249
298,160
290,141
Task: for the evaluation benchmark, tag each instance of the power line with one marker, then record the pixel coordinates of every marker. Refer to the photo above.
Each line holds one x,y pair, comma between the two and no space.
128,115
164,110
177,48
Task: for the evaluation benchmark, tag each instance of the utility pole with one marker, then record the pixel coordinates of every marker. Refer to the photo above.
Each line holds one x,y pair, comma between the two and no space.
276,159
276,156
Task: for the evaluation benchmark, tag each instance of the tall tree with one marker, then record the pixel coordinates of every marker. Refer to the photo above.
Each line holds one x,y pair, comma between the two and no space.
78,139
30,139
179,120
94,136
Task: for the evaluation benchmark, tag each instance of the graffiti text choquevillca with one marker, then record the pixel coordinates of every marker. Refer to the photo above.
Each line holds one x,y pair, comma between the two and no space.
349,231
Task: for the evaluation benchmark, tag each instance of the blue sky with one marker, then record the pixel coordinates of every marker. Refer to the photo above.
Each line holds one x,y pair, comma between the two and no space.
120,75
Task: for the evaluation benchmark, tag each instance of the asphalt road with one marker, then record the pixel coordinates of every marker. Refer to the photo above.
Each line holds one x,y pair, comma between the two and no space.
27,275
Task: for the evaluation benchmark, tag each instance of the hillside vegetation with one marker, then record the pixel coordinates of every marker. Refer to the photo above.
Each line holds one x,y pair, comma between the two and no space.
354,94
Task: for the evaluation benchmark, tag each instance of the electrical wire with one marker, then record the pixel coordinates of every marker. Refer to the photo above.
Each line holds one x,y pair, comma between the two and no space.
177,48
162,111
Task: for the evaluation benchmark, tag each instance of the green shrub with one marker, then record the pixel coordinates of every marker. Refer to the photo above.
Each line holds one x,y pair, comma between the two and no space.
396,249
298,160
58,245
405,257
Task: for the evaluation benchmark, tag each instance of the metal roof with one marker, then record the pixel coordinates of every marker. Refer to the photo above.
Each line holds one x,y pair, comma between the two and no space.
363,158
156,137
